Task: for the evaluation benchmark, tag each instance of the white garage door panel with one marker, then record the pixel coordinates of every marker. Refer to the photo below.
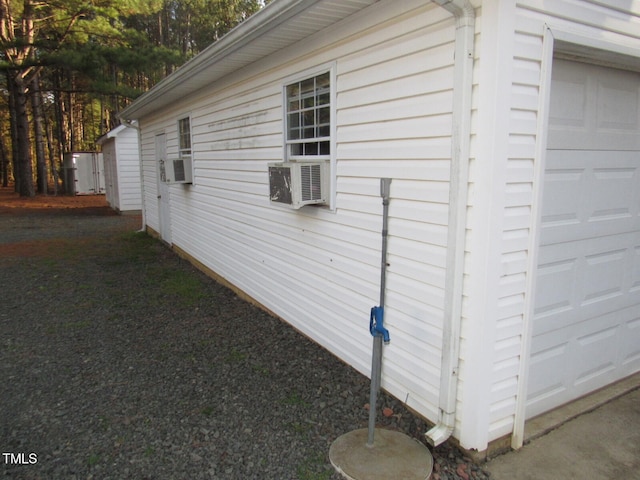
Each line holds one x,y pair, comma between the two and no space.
600,348
585,279
590,193
586,326
593,108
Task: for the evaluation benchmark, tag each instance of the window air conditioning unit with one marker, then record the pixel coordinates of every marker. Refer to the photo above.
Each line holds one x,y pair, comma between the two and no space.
299,183
178,170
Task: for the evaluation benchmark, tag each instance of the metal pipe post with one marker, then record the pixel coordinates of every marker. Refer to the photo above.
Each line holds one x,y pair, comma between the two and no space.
376,358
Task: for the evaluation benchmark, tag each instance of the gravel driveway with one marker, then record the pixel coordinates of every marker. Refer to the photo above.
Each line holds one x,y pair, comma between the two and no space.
121,361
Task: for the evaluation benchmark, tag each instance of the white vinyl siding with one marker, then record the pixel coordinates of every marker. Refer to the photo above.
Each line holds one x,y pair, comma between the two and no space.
318,268
111,173
128,155
588,19
149,178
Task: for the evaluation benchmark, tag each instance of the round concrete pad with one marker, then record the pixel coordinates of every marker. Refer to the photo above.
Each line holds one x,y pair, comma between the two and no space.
393,455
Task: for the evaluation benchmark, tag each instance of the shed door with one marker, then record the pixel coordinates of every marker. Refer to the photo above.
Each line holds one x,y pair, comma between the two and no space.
164,210
587,306
111,173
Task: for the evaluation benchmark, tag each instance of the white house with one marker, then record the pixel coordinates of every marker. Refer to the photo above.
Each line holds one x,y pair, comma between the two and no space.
121,158
511,132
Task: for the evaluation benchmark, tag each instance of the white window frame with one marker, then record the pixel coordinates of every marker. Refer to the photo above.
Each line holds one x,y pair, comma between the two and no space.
319,70
186,152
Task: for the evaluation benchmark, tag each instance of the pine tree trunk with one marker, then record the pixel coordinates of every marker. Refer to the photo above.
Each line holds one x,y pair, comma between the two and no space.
4,163
22,161
38,131
13,130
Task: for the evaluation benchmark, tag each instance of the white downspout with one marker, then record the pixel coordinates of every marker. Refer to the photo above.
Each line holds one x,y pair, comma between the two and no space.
458,192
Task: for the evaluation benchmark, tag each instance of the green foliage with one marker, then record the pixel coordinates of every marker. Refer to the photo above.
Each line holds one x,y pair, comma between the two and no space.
105,51
314,468
184,286
295,399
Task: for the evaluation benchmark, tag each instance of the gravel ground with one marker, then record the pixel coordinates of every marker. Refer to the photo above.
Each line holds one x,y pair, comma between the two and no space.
121,361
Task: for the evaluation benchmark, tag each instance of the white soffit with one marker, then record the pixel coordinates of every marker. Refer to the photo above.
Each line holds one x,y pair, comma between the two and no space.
278,25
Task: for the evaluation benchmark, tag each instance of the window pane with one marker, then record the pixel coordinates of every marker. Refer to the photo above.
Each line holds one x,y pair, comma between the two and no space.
308,105
184,136
324,115
324,131
293,90
323,99
311,148
294,120
308,118
307,86
323,80
308,102
296,149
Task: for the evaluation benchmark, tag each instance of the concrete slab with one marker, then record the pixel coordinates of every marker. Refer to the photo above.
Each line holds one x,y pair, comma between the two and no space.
603,444
393,455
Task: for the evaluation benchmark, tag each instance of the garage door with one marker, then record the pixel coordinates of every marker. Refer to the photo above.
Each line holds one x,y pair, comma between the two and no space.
587,306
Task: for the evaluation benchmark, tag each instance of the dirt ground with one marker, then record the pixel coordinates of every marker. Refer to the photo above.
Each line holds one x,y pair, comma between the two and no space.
44,212
12,203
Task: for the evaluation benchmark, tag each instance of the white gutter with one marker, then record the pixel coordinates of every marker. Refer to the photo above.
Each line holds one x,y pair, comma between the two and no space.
458,192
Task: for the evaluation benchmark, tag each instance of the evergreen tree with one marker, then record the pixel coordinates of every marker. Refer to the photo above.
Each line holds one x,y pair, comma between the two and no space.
78,62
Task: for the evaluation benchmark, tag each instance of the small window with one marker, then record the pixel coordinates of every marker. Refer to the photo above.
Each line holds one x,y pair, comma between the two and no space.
184,137
308,118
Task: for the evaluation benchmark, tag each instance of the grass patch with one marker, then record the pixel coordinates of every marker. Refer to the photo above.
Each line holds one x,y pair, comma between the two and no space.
67,327
139,241
235,356
184,285
294,399
300,428
265,372
79,325
314,468
136,247
207,411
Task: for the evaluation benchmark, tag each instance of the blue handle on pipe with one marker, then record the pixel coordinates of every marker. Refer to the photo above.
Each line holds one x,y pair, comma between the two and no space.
376,324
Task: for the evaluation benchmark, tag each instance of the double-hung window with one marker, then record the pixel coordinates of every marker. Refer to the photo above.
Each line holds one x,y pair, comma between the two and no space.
184,137
308,118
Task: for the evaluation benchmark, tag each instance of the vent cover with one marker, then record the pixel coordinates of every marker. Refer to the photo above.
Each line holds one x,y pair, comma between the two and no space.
311,182
178,170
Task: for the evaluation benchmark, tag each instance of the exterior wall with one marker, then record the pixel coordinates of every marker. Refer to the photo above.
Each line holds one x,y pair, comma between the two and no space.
509,143
122,169
149,176
319,268
128,156
111,173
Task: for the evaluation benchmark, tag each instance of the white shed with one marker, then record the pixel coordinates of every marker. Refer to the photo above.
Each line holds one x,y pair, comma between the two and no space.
511,131
121,158
84,173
